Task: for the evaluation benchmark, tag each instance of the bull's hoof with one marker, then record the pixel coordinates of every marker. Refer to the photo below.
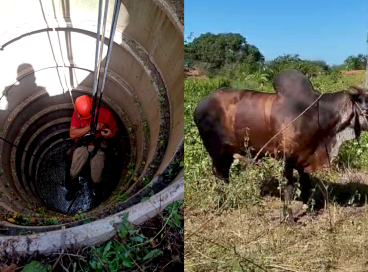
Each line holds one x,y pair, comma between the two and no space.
305,196
222,179
219,176
225,180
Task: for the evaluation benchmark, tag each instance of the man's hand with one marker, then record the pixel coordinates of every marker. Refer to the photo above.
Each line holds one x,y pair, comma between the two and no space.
110,132
100,126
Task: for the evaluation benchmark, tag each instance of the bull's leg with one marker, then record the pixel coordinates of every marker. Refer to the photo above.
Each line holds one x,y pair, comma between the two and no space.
305,184
213,143
221,166
288,189
288,192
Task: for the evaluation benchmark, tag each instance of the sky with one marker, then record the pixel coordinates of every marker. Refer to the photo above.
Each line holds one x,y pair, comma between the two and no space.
328,30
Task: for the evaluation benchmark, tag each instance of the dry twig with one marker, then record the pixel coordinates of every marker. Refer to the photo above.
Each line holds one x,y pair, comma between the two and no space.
57,260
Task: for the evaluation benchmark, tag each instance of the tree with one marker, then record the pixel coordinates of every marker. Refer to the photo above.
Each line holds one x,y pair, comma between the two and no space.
294,62
221,49
358,62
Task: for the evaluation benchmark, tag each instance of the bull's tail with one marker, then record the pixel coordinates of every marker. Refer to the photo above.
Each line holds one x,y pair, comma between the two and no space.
208,121
207,117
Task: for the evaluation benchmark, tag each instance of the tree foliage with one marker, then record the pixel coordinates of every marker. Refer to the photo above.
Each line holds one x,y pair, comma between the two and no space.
356,62
221,49
230,55
294,62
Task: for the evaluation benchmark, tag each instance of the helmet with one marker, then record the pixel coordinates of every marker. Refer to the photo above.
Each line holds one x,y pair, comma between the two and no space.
83,105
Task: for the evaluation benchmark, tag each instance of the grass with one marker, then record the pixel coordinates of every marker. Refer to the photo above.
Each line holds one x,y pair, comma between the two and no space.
236,226
252,239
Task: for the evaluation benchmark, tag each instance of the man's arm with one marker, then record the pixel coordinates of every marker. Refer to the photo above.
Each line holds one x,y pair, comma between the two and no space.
75,132
111,123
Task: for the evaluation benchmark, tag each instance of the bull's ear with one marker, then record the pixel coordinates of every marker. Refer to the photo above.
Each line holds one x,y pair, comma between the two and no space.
352,91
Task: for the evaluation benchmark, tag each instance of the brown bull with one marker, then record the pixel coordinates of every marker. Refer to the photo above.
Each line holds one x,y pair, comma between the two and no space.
243,121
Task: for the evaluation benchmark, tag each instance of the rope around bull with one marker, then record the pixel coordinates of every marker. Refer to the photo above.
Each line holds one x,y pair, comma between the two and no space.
363,114
278,133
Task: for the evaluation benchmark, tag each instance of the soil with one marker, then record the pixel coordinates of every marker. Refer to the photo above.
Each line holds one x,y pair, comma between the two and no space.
352,72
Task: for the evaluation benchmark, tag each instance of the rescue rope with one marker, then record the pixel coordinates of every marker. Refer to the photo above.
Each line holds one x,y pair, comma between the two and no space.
15,146
98,64
94,119
67,85
278,133
109,49
362,112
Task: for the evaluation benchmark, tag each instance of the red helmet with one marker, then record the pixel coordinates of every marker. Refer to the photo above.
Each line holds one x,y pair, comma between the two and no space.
83,105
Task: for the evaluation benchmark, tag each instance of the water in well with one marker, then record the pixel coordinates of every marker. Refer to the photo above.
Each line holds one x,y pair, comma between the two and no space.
54,167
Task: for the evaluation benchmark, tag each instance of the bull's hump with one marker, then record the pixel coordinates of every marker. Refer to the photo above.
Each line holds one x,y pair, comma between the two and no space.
292,84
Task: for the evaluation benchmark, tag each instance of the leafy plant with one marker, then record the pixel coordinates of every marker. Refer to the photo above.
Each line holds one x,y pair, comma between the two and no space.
80,216
145,127
121,198
117,255
35,266
174,219
42,210
131,168
146,180
51,221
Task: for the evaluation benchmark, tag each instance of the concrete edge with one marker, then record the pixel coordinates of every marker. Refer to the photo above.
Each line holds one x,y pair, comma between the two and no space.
94,233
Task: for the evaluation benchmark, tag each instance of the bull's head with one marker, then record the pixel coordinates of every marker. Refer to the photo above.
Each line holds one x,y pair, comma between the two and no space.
359,96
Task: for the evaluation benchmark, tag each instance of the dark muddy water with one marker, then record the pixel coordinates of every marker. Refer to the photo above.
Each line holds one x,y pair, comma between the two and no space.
54,167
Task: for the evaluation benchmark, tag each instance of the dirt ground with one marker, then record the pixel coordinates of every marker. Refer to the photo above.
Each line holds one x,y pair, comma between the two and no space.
333,237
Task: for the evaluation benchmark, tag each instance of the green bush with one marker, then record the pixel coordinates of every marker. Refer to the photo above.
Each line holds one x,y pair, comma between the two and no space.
354,155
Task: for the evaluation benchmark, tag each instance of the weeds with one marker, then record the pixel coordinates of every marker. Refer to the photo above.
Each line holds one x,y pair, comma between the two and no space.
121,198
51,221
146,181
155,245
145,127
174,220
80,216
132,247
139,105
131,168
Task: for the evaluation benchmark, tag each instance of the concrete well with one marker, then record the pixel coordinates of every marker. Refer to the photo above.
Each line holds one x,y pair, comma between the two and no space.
47,49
